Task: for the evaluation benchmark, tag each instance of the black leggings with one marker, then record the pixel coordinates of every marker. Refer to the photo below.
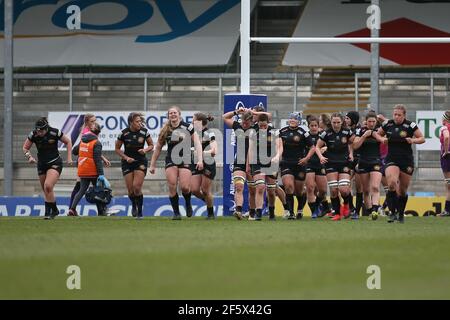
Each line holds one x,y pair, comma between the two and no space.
84,185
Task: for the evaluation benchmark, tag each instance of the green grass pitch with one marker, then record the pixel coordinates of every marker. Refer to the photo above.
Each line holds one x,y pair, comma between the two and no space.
156,258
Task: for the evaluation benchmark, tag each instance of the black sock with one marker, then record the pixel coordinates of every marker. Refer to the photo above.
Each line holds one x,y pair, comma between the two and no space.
47,209
74,192
350,202
392,201
139,204
312,206
239,208
347,199
133,201
385,203
402,200
285,206
325,205
271,211
301,201
447,206
290,202
187,198
252,212
175,205
336,204
359,202
54,208
318,200
259,212
210,211
365,211
304,200
100,209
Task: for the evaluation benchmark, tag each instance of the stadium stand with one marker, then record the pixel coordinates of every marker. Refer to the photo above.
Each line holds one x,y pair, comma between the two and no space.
311,90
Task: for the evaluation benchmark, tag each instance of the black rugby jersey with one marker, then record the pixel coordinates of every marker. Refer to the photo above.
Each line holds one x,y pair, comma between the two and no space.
295,144
240,132
47,146
134,141
357,152
207,137
314,161
337,144
179,134
267,137
398,147
369,151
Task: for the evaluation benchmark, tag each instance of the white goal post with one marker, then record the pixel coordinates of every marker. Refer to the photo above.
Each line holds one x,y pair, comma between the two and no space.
246,40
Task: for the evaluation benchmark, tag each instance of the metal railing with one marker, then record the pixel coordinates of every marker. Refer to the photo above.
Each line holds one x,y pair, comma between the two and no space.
384,76
296,77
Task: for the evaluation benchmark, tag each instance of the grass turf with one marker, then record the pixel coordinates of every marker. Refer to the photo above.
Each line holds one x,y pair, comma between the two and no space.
156,258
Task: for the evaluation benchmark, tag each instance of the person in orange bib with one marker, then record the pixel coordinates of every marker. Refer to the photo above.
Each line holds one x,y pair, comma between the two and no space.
90,166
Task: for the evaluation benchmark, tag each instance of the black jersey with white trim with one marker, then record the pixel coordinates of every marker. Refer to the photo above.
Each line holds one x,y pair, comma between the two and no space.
295,144
240,133
314,161
268,137
179,134
369,152
134,141
396,134
337,144
47,146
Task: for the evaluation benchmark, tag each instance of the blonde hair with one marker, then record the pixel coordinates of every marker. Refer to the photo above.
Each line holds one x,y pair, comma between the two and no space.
167,128
400,107
86,119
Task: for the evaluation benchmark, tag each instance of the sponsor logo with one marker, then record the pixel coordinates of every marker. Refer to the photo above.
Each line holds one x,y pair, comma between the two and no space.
141,140
344,140
51,141
403,134
296,138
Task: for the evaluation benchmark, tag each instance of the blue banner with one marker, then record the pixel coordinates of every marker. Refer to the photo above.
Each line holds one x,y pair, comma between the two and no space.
153,206
233,102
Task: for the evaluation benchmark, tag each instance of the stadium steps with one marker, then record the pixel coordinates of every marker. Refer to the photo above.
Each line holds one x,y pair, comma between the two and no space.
334,91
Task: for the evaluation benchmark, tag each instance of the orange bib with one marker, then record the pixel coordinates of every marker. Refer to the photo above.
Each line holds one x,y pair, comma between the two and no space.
86,163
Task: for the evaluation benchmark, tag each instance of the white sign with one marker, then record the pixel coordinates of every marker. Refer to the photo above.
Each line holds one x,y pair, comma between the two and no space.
430,123
112,124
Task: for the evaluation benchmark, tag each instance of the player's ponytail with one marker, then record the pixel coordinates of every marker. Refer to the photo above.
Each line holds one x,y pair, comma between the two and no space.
203,118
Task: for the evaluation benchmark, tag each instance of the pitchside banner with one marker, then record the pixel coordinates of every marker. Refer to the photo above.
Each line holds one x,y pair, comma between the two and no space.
112,124
430,123
416,206
153,206
233,102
